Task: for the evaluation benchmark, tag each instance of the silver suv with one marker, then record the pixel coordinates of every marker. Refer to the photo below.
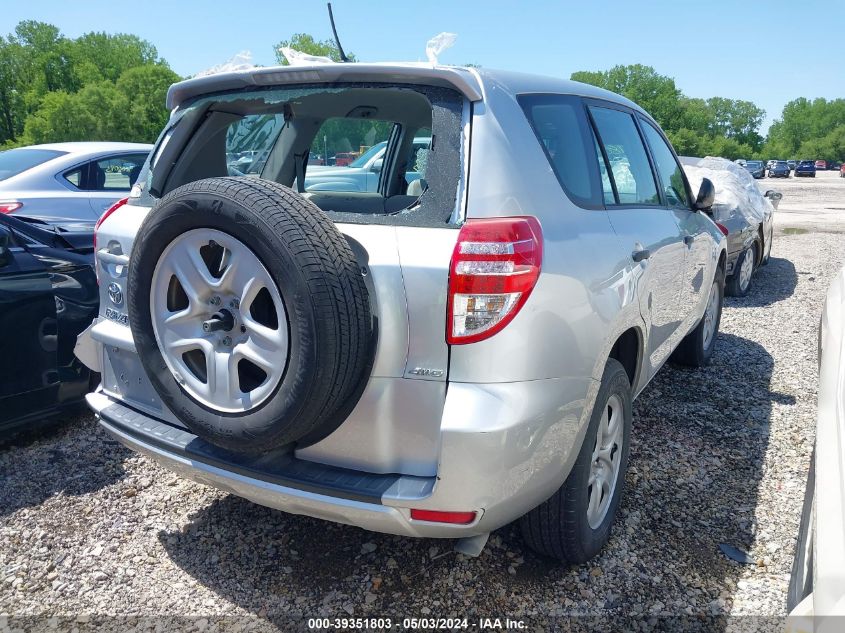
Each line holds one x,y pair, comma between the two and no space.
434,359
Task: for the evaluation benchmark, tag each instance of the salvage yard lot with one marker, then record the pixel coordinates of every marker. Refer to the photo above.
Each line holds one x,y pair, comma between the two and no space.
719,455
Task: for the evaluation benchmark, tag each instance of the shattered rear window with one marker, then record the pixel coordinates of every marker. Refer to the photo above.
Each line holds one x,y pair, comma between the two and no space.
363,153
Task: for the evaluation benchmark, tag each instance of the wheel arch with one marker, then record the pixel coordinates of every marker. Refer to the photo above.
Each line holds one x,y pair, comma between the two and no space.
628,350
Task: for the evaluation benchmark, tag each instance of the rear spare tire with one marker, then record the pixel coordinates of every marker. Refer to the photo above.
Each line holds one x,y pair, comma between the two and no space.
249,313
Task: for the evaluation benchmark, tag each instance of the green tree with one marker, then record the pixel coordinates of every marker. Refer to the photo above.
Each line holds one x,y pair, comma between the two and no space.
96,87
305,43
112,55
145,89
808,129
655,93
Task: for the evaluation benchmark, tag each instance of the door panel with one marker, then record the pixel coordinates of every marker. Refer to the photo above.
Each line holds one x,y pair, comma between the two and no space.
28,315
645,228
659,277
697,274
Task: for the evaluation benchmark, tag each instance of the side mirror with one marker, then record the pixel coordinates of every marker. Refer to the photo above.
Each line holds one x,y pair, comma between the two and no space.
5,243
377,165
706,195
774,196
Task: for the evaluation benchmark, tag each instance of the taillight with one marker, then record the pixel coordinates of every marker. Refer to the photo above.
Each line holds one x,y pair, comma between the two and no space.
10,206
105,217
495,265
437,516
722,228
102,219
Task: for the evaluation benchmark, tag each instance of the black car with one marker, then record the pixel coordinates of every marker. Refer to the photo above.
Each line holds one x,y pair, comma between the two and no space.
749,246
48,295
779,169
756,168
806,168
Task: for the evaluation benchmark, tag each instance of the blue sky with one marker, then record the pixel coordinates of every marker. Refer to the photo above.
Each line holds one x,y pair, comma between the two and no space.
768,52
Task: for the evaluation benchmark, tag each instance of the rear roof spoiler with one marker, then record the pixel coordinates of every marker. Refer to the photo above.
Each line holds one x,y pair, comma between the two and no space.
460,79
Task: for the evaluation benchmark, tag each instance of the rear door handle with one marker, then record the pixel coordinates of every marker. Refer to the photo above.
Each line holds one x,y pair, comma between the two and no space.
688,240
640,255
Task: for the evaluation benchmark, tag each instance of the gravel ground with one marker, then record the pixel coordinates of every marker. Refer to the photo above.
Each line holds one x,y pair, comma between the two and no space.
719,455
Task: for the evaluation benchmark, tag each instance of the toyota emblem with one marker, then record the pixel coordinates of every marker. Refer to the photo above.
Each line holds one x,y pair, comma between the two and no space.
115,294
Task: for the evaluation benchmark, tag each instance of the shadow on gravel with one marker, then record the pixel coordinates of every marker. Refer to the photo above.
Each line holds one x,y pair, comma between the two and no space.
699,440
771,283
72,456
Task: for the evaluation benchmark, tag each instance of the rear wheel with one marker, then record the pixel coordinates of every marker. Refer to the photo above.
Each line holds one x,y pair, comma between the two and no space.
574,524
739,283
696,349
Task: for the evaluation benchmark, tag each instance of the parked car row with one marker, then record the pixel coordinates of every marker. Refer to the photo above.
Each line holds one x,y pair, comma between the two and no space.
782,168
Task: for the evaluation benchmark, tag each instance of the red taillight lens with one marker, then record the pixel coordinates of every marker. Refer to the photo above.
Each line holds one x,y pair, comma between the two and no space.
10,206
722,228
105,217
102,219
495,265
460,518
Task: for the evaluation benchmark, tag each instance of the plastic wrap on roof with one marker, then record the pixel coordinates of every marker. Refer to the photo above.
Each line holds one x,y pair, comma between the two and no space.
736,190
296,58
241,61
438,44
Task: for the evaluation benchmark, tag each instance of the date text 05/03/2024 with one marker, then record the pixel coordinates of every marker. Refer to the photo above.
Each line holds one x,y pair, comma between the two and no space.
423,623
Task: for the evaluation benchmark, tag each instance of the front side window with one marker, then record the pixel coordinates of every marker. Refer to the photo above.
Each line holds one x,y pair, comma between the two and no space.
669,171
559,124
630,169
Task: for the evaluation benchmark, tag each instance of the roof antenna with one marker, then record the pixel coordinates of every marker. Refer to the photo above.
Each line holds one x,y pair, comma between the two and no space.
343,56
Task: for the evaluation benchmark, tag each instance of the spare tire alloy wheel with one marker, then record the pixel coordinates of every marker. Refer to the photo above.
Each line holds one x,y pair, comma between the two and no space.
249,314
223,335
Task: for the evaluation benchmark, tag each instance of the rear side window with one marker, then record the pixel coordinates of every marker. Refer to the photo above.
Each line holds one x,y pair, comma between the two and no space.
629,169
17,161
115,173
668,169
560,126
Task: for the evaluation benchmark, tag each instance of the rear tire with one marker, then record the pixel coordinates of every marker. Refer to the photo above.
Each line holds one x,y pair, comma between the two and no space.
696,349
739,284
565,526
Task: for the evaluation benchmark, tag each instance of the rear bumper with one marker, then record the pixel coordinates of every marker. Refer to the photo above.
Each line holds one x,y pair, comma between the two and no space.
500,456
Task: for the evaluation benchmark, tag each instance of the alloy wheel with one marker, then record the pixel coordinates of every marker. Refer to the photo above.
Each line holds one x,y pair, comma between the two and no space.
219,321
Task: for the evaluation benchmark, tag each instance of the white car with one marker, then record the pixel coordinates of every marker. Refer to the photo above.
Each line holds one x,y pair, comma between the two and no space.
69,181
817,588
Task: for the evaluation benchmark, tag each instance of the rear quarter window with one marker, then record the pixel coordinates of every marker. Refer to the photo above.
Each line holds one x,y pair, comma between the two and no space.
561,128
17,161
